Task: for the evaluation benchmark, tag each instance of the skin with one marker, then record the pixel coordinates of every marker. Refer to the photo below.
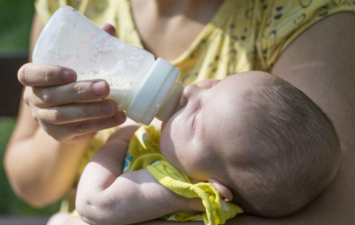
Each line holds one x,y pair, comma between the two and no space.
321,67
45,125
107,196
65,129
157,22
192,132
190,140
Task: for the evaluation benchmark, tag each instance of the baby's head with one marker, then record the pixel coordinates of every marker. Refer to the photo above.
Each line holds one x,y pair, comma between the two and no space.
259,140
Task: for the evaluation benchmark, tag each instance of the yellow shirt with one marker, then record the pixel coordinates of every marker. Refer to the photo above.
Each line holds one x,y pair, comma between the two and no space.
144,152
243,35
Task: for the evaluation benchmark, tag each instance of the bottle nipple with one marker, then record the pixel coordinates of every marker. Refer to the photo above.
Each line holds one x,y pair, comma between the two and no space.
170,103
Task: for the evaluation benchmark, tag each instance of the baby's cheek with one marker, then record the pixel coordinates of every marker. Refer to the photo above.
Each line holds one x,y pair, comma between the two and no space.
171,150
201,162
167,146
176,144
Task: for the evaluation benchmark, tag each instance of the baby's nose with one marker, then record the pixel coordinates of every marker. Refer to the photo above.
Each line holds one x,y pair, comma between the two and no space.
190,90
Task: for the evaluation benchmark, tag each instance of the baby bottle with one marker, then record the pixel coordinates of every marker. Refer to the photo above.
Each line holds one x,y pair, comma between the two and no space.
142,86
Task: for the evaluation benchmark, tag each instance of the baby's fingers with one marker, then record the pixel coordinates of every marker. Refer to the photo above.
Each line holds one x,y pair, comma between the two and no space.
32,74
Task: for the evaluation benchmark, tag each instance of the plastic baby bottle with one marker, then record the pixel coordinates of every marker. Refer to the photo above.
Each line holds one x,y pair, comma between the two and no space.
141,86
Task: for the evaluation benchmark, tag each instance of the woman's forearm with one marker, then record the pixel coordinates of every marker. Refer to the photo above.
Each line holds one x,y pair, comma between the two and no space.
40,169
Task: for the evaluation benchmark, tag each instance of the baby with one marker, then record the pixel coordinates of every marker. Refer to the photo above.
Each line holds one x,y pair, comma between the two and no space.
251,140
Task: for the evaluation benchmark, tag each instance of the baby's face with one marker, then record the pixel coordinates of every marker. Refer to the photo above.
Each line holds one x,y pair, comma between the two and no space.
208,123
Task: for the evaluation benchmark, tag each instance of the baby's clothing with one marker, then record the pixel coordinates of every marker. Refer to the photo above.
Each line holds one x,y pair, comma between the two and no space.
144,152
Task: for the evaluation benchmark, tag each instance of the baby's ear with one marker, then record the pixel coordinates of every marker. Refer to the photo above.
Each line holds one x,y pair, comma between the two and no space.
225,192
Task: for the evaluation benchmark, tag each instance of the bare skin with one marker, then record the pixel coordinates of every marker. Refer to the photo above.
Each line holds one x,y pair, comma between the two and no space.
65,129
157,22
322,67
31,148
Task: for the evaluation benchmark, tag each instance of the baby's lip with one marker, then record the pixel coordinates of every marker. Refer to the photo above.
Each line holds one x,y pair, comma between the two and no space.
163,125
177,109
182,103
179,106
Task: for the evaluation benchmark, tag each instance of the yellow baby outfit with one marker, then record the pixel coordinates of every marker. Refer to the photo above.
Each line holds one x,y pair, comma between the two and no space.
144,152
243,35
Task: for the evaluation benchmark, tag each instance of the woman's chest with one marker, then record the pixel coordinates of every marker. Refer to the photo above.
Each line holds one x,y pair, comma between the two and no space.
209,45
169,32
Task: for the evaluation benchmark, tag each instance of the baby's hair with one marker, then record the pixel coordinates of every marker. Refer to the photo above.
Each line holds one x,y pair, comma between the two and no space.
293,149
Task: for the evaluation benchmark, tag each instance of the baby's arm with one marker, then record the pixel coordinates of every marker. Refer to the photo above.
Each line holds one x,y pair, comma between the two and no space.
106,196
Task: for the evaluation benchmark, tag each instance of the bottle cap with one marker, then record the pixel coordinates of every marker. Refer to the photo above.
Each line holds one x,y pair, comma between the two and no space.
169,105
155,88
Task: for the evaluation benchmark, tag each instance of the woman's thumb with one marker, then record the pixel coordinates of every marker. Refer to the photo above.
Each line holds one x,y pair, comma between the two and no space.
109,29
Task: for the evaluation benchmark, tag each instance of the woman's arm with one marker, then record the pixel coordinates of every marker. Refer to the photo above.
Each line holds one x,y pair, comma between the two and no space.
41,169
321,62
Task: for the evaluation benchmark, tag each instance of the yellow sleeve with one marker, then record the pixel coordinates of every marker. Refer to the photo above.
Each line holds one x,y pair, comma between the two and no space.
283,21
217,211
143,149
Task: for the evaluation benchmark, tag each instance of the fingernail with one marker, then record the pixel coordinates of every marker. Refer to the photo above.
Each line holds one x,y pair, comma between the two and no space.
109,107
120,117
99,88
68,76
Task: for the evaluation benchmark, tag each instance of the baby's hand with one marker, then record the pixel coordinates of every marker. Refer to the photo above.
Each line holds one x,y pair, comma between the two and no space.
106,196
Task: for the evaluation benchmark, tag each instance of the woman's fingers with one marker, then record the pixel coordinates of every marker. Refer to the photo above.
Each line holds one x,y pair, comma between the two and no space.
77,112
68,132
69,93
64,108
32,74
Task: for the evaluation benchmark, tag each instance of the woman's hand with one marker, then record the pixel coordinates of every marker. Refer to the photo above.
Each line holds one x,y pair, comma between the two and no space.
64,108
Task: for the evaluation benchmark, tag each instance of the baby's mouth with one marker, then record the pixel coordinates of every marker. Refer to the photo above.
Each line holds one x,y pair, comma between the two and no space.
178,108
163,125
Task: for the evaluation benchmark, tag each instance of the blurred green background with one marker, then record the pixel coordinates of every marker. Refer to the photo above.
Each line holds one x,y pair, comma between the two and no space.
15,24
